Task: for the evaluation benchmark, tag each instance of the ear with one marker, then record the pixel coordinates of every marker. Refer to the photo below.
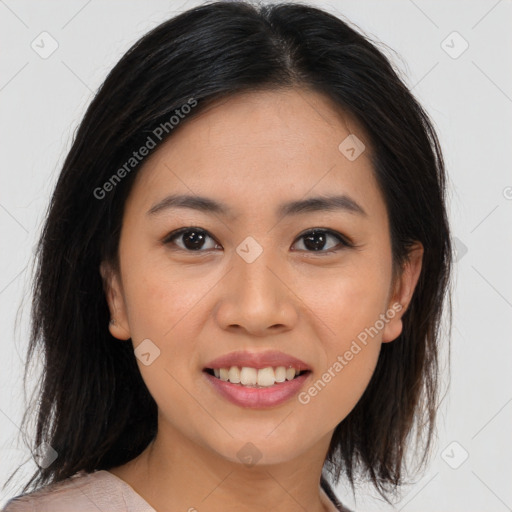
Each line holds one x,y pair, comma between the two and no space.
404,287
116,304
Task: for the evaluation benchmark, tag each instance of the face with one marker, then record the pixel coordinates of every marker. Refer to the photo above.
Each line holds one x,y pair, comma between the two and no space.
313,283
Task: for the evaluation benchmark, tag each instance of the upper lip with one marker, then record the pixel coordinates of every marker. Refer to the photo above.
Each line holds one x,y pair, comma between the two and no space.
257,360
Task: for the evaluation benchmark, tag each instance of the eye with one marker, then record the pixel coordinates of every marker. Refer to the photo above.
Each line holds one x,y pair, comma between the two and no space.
315,240
193,239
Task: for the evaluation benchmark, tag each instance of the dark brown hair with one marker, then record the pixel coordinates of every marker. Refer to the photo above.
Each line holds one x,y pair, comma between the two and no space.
93,407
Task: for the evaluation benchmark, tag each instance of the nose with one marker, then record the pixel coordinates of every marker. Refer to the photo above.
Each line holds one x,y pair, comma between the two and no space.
255,298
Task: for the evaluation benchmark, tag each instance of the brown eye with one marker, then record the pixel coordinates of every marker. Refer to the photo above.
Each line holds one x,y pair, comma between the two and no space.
192,239
317,240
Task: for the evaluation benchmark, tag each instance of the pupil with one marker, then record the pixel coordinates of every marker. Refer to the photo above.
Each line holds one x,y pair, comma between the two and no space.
313,240
195,238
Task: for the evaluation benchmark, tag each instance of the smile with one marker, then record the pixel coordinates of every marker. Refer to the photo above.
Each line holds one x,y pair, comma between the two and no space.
252,394
254,377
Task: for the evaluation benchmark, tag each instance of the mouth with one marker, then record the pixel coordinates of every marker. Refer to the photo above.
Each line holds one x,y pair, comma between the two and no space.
255,390
247,377
257,380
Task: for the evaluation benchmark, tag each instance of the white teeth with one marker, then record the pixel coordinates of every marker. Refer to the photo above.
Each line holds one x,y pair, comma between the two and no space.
266,377
253,377
280,373
234,375
290,373
248,376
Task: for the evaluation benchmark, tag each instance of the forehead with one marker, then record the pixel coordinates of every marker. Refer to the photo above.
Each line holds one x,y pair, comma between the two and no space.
257,147
292,123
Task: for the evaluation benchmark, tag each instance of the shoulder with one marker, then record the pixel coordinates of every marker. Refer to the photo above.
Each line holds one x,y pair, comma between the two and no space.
82,492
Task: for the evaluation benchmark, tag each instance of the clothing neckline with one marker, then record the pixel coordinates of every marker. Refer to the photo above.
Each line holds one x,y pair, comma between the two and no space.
127,487
326,501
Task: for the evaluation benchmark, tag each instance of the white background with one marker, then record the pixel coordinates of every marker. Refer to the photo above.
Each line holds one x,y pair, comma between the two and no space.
470,101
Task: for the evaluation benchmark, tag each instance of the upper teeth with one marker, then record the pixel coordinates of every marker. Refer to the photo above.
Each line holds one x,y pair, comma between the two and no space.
252,376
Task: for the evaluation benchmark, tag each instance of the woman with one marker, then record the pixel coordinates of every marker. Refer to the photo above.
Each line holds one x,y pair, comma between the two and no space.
242,274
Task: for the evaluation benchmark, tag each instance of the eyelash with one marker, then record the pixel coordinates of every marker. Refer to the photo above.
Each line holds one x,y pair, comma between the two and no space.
343,241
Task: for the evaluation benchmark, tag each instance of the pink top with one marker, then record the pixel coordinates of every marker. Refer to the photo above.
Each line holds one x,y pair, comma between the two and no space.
93,492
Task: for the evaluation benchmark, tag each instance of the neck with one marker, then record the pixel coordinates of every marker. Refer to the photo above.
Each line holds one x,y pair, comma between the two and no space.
174,470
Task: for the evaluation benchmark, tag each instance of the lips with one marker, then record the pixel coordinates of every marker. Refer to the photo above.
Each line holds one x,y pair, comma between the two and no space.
257,360
243,392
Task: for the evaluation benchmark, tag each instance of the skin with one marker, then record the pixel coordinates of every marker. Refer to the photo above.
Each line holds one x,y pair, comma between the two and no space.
252,152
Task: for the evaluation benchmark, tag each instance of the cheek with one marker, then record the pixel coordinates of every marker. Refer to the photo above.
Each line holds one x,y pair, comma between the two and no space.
349,306
349,300
336,390
351,348
161,298
165,307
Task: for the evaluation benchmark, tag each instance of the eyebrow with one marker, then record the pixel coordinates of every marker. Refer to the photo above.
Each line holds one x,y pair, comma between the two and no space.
207,205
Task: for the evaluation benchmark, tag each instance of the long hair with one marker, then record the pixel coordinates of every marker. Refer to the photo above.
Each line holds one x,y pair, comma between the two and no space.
93,407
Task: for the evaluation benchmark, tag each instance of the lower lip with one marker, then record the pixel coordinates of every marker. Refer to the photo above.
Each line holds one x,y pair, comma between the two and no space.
258,398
